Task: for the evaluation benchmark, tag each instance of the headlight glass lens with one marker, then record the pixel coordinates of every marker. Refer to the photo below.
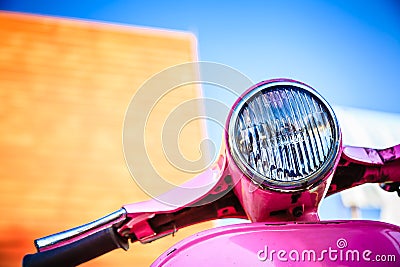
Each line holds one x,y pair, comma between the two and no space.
283,135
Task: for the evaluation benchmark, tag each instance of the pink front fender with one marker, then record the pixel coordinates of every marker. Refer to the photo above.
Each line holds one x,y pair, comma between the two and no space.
330,243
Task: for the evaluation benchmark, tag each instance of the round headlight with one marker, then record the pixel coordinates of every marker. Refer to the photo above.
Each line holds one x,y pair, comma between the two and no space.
283,135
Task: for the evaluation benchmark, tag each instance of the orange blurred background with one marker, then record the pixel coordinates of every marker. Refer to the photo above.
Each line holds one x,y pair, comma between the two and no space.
64,89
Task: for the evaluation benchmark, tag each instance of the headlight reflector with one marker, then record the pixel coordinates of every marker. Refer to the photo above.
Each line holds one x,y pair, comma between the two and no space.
283,135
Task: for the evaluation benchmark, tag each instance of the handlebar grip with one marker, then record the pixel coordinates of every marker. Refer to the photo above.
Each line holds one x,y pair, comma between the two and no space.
79,251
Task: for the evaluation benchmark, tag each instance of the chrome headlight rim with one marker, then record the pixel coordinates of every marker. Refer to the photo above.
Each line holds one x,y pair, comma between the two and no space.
264,182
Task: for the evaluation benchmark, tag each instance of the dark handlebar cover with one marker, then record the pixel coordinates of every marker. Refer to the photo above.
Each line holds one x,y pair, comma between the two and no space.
79,251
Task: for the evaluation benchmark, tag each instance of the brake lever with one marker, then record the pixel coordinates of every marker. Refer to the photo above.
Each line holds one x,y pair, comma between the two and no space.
80,232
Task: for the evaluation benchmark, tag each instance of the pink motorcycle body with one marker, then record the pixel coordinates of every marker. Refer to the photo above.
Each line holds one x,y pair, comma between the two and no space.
326,243
303,242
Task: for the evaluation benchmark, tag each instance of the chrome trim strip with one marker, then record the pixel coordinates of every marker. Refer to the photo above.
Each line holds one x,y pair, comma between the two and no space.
77,233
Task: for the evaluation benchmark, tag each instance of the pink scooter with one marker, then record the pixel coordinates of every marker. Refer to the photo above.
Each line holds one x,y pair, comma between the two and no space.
283,156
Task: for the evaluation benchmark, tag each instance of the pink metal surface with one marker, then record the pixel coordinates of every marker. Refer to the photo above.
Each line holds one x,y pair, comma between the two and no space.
329,243
211,198
372,156
366,165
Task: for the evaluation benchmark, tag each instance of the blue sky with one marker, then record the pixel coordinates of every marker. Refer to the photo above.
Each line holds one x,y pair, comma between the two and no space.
348,50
